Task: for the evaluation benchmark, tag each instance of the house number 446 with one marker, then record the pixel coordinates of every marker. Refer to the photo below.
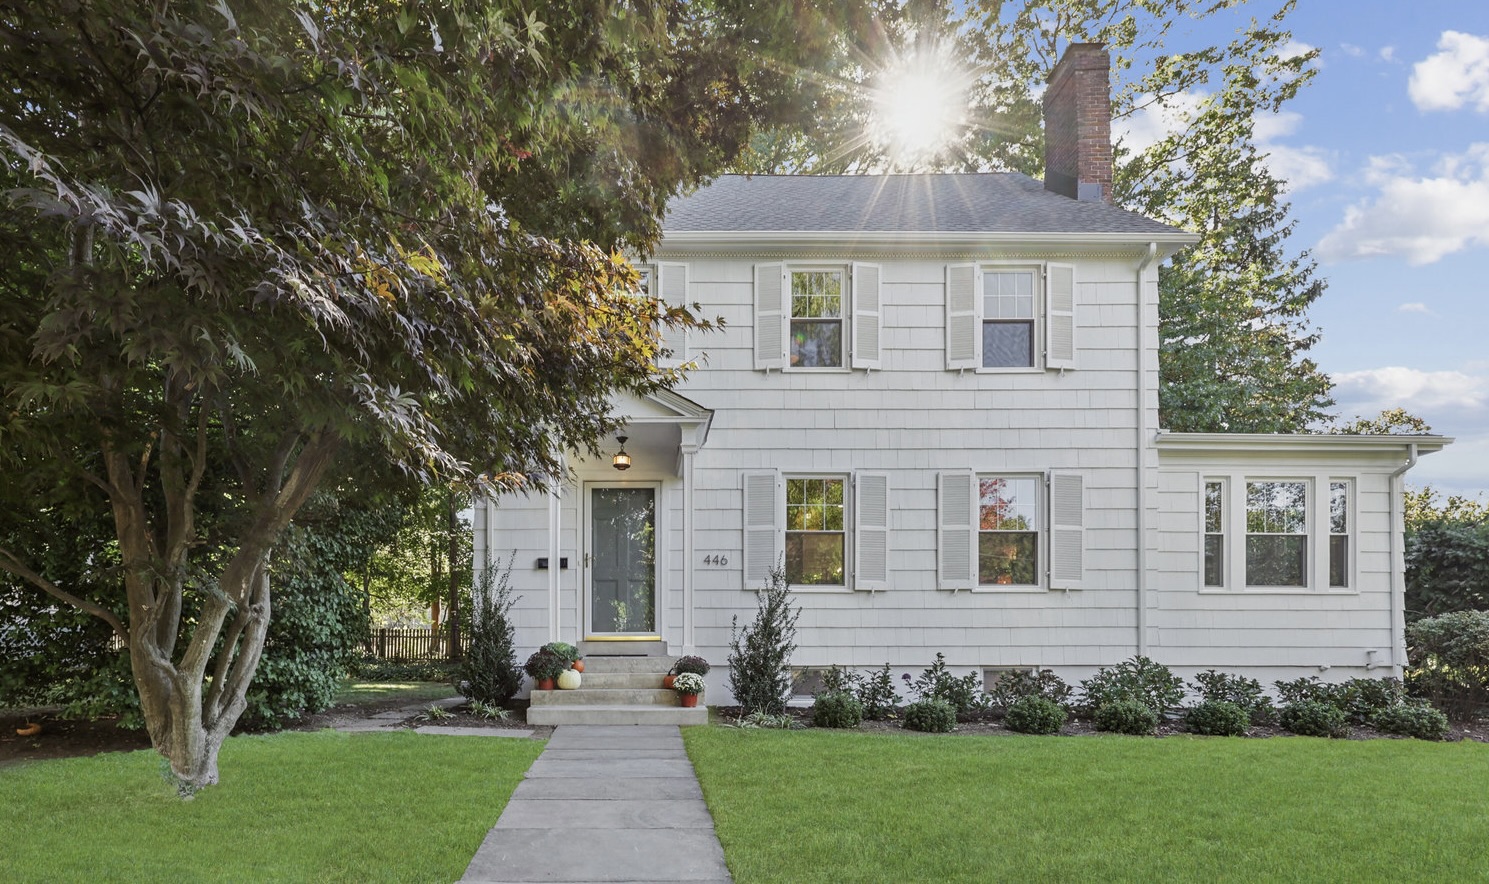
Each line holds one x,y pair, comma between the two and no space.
716,560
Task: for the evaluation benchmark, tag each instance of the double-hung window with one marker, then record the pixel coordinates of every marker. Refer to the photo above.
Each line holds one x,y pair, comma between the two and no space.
1001,317
828,531
817,316
1010,531
1283,533
669,284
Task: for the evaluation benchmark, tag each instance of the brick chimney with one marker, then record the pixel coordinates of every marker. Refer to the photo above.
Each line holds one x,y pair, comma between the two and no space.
1078,125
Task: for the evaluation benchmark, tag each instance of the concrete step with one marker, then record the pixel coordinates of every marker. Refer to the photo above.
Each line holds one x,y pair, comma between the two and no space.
612,648
647,680
606,697
616,714
649,664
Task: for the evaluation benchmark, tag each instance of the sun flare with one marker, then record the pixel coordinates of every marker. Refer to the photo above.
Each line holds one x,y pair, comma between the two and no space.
920,108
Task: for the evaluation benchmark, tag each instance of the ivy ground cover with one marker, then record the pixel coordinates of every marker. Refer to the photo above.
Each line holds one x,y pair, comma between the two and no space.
822,806
322,806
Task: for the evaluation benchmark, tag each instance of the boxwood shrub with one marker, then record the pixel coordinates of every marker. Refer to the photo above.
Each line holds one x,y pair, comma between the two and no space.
1035,715
1412,720
930,716
1314,718
1218,718
836,709
1127,716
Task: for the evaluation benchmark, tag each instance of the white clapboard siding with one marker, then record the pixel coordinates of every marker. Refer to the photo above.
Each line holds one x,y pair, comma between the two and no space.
956,530
867,316
761,524
1067,530
1060,329
772,316
871,530
672,290
963,336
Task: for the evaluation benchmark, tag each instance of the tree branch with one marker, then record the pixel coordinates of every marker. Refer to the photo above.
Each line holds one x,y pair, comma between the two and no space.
9,562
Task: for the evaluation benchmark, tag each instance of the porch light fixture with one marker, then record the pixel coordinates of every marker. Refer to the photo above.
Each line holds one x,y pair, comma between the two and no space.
621,461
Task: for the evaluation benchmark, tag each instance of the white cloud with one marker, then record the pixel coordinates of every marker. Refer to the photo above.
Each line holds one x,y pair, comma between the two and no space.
1295,48
1351,50
1370,391
1300,167
1420,217
1415,307
1387,53
1458,74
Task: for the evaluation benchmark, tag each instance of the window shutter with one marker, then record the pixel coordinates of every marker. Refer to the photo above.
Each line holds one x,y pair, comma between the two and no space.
672,290
956,531
761,511
871,531
1059,316
963,337
772,313
1067,531
867,316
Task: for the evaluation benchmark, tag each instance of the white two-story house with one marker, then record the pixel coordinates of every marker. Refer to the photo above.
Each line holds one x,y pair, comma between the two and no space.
934,403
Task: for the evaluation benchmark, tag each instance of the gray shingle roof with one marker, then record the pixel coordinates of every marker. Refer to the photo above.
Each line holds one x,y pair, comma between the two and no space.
996,202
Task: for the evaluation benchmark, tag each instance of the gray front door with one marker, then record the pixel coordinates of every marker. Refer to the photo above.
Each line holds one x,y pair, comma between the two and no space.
623,573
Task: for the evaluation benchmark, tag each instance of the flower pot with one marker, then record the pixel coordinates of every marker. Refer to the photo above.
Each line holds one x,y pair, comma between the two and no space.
545,684
688,700
578,666
667,681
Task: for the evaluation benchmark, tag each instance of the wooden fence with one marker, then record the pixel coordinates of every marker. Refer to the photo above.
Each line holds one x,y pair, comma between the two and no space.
416,643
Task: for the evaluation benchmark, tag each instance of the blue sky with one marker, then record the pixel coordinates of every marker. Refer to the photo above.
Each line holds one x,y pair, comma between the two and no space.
1387,154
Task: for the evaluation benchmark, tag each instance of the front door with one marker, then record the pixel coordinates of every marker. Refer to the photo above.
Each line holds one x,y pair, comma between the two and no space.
622,562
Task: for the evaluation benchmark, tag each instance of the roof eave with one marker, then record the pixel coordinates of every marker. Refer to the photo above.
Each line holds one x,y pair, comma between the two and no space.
1199,443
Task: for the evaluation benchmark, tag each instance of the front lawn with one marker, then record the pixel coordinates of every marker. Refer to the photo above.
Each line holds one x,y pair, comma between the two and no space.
320,806
355,691
820,805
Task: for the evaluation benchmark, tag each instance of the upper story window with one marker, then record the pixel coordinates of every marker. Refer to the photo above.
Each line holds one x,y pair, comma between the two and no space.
817,318
1010,317
1008,332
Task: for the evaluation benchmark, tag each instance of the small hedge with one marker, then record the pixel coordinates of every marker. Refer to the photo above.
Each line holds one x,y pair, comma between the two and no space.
1314,718
1412,720
1133,717
1218,718
1035,715
930,716
836,709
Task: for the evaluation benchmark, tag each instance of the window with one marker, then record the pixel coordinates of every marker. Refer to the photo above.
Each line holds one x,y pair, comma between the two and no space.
1339,534
1214,533
1010,317
817,317
1008,531
815,541
831,532
1277,533
669,284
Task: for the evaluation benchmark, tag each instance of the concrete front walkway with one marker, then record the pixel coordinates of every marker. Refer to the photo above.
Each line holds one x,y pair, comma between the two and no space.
605,803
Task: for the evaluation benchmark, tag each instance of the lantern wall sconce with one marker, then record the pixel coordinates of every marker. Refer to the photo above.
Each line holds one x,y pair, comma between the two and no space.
621,461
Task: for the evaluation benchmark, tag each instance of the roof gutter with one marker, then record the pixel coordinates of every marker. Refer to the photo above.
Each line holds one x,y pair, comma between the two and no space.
1143,445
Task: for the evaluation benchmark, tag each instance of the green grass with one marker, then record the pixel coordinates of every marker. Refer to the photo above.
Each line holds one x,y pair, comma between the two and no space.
355,691
291,807
822,806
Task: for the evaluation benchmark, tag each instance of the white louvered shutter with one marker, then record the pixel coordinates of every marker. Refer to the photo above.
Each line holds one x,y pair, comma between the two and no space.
772,314
672,290
761,525
1059,316
956,531
868,315
870,531
963,337
1067,530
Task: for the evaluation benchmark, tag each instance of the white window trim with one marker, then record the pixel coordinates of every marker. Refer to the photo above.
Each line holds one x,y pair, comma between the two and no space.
862,320
957,488
1037,320
1316,533
1042,319
761,539
1041,530
848,530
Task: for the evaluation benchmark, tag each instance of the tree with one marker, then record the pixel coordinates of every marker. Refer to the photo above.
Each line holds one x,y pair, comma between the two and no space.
243,241
1396,421
1232,308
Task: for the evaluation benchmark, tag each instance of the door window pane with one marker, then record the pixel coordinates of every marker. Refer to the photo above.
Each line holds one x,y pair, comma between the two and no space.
623,572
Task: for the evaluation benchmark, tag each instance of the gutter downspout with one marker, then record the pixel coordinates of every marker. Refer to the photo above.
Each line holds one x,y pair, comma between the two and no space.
1397,490
1143,444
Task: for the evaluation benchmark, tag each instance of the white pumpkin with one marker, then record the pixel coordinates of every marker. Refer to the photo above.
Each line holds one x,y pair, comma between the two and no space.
568,680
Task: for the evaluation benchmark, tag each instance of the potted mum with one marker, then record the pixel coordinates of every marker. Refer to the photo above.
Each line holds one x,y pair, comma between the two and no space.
544,666
690,663
688,686
568,653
